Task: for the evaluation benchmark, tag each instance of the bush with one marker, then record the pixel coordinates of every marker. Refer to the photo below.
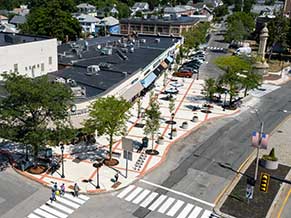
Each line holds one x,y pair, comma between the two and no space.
270,156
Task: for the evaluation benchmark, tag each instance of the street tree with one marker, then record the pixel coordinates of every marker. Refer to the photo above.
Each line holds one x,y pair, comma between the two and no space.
249,81
171,105
209,88
33,110
108,116
152,122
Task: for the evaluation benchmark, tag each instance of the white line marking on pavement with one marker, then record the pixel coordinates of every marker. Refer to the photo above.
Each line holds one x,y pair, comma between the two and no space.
166,205
84,197
33,216
125,191
157,202
206,214
72,198
186,211
69,203
53,211
178,193
175,208
43,213
195,212
133,194
60,206
141,196
148,200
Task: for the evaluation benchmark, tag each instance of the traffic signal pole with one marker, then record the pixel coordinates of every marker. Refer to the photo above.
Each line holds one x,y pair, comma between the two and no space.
258,150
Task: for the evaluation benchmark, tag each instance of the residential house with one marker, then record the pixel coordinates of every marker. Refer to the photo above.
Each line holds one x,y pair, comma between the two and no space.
139,6
110,24
266,10
179,10
22,10
88,22
114,12
18,20
85,8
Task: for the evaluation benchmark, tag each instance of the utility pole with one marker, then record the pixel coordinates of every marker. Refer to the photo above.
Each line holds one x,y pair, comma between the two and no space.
258,149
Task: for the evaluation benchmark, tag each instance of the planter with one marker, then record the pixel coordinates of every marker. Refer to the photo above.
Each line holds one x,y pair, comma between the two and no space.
269,164
195,118
184,125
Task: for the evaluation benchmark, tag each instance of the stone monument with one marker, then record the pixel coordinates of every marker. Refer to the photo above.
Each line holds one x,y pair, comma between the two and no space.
261,66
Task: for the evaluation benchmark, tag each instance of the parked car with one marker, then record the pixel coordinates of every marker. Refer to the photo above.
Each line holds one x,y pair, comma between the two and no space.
195,66
198,60
193,70
186,73
201,57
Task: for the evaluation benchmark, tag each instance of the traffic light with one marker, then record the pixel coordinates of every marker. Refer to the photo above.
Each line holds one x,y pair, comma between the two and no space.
265,179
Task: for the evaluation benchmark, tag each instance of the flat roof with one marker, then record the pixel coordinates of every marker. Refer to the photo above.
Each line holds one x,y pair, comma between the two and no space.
183,20
145,49
7,39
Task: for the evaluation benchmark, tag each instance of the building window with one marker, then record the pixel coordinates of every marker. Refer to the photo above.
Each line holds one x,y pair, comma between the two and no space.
42,67
15,67
37,65
50,60
26,68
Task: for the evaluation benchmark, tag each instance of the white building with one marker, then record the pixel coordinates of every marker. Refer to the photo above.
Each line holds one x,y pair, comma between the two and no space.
88,22
86,8
28,55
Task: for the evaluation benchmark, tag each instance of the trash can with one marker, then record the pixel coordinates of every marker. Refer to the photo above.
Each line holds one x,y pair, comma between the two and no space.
145,142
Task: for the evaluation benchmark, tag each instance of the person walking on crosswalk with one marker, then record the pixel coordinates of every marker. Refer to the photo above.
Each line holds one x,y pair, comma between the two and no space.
53,197
63,189
76,190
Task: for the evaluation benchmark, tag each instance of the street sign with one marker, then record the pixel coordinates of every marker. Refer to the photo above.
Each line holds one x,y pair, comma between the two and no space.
127,155
127,144
249,191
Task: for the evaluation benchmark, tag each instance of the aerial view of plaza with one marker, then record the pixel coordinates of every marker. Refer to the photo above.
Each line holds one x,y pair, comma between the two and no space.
145,109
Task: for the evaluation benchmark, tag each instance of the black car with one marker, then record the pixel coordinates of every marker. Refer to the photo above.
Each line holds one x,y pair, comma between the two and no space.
193,70
195,66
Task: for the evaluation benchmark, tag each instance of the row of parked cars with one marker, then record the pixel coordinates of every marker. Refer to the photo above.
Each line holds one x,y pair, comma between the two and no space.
191,67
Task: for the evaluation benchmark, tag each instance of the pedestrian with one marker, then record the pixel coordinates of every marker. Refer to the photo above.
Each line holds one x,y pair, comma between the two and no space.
53,197
76,190
116,177
63,189
55,186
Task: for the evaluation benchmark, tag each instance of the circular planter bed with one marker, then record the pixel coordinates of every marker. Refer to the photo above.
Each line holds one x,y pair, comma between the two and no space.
151,152
206,111
112,162
269,164
39,169
230,107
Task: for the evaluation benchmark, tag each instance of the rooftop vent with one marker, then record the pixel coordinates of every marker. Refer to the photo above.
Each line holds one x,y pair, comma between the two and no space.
120,54
105,66
79,91
157,40
92,70
71,82
124,50
106,51
143,41
131,50
60,80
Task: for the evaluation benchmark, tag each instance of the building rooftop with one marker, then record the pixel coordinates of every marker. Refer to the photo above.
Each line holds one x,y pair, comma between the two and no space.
86,5
117,56
166,21
12,38
18,19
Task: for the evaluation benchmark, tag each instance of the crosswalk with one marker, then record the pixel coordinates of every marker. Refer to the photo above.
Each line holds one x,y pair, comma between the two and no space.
61,208
163,204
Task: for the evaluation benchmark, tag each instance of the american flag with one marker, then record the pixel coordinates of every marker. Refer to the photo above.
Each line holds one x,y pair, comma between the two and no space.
255,139
264,141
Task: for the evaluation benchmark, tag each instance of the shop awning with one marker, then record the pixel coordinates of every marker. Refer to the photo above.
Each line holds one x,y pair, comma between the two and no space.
132,91
169,60
148,80
164,65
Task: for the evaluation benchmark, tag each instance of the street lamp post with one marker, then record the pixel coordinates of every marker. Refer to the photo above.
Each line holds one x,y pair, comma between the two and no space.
97,166
172,123
63,170
224,103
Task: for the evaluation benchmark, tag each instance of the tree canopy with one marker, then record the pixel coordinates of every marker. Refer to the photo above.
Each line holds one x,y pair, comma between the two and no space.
51,20
33,109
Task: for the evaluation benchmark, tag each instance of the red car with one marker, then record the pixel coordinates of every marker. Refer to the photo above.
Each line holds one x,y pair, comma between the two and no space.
187,74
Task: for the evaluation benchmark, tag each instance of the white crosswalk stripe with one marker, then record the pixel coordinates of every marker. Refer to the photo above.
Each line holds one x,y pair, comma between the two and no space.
162,203
61,208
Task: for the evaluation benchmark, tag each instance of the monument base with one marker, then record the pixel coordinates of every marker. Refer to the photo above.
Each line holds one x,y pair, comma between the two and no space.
261,68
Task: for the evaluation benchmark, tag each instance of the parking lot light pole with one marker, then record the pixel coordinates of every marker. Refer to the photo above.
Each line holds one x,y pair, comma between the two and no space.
172,123
97,166
224,103
63,169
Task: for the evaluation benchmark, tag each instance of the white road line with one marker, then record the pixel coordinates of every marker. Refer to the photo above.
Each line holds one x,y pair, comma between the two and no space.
72,198
141,196
206,214
195,212
60,206
133,194
166,205
43,213
186,211
84,197
69,203
157,202
178,193
53,211
175,208
148,200
125,191
32,215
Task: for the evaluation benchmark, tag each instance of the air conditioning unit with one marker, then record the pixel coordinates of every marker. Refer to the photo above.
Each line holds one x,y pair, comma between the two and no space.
60,80
143,41
71,82
92,70
157,40
79,91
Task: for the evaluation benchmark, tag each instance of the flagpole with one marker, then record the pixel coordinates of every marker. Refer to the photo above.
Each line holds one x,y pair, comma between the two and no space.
258,150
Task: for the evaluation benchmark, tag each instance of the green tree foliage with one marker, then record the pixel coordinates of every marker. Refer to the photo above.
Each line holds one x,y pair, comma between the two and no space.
228,2
171,105
247,5
249,81
240,26
220,11
210,88
152,119
233,63
32,105
108,116
52,21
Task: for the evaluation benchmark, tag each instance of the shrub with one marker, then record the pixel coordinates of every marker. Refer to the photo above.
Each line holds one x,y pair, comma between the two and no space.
270,156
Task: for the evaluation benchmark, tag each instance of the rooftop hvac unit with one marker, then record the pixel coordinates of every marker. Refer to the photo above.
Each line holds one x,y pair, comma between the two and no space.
106,51
124,50
131,49
79,91
120,54
60,80
105,66
157,40
92,70
71,82
143,41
